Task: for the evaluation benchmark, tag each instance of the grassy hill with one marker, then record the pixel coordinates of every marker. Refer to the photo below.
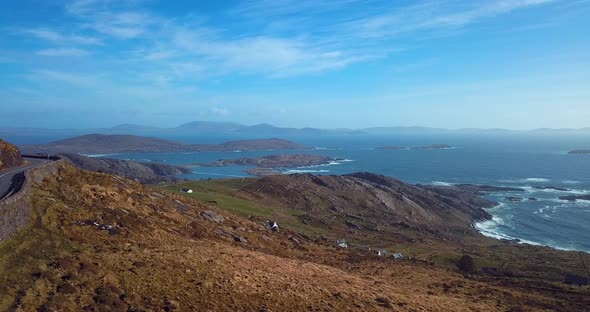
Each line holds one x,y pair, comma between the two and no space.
98,242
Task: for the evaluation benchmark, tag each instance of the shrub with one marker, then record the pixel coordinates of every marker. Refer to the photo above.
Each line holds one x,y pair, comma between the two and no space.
466,264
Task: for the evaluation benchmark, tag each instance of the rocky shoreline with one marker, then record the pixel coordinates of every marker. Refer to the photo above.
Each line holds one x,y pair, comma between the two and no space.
267,165
579,152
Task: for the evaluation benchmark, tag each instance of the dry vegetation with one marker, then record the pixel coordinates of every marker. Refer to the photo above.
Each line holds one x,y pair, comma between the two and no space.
102,243
9,155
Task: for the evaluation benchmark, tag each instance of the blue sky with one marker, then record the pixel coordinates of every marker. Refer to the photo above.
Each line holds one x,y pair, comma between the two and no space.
515,64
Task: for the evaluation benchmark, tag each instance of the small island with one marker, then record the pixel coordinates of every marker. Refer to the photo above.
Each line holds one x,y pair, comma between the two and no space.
573,198
427,147
266,165
579,152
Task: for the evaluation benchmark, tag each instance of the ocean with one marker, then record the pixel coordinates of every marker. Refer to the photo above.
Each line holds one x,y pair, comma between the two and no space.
524,161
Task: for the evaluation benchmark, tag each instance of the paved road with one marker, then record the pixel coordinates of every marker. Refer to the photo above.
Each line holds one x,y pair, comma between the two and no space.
6,175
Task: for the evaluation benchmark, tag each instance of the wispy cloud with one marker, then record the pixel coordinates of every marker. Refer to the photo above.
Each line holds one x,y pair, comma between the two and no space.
71,78
121,25
57,37
165,48
270,55
63,52
435,15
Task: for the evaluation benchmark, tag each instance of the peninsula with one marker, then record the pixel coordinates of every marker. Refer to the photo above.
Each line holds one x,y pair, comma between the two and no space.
109,144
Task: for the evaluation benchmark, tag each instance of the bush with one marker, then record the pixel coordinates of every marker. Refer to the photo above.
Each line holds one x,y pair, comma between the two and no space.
466,264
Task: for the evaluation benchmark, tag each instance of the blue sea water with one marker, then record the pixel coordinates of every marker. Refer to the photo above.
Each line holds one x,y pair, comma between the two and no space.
525,161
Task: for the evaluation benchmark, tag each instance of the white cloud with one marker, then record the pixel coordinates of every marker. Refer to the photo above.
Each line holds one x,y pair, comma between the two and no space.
435,16
220,111
76,79
57,37
63,52
124,25
83,6
262,54
169,49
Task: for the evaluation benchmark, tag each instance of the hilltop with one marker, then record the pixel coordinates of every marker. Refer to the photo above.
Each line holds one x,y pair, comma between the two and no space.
10,155
151,172
372,203
108,144
101,242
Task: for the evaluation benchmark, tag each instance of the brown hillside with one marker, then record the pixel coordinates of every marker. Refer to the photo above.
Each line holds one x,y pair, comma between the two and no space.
9,155
103,243
370,202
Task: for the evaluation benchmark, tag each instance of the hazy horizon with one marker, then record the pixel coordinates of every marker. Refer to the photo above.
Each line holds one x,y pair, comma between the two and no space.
222,122
509,64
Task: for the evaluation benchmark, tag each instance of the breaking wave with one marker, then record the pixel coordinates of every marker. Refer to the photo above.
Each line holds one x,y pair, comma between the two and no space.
99,155
441,183
305,171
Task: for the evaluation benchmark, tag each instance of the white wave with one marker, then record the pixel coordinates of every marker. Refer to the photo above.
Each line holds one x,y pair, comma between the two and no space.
536,180
525,180
530,189
99,155
320,148
441,183
493,228
331,163
488,228
346,160
291,171
498,207
571,182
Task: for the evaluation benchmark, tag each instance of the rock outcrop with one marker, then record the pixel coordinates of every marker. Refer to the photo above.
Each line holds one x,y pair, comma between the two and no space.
574,198
10,155
142,172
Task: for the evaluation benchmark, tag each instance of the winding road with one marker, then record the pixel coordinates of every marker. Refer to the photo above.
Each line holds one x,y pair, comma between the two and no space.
7,175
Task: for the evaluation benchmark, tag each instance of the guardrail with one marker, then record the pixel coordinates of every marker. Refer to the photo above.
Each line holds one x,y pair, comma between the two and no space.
42,156
16,183
15,210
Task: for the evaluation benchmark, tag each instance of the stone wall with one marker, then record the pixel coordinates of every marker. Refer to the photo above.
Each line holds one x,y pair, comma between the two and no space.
15,211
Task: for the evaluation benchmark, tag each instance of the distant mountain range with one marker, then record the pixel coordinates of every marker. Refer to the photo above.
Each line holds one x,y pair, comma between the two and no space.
264,130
